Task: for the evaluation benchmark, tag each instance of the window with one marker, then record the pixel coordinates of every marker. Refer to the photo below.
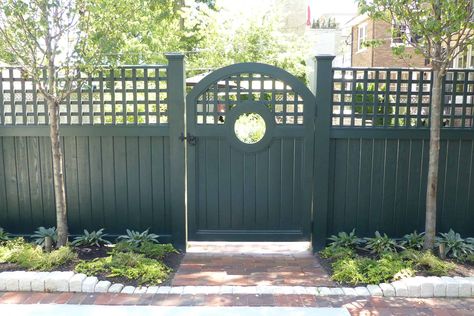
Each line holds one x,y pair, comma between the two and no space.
361,37
401,34
464,59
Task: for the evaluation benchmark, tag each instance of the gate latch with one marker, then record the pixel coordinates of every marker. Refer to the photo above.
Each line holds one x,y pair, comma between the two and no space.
191,139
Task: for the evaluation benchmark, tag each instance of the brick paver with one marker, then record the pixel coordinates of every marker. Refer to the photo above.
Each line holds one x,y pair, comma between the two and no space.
355,305
199,269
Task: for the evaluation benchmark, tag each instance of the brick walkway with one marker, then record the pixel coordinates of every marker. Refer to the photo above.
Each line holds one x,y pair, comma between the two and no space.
355,305
260,265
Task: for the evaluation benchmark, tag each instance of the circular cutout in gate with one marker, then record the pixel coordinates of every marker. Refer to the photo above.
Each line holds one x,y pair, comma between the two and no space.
250,128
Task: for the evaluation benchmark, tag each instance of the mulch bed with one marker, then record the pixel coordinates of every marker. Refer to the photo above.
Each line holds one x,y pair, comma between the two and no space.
172,260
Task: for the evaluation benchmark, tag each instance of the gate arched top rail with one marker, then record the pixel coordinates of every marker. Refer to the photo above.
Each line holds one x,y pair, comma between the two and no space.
254,68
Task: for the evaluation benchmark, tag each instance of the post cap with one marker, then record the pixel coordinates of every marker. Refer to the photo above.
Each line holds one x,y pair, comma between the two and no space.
324,57
174,56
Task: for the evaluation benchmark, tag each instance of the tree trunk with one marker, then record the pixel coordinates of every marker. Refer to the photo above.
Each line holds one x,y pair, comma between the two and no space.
433,167
58,174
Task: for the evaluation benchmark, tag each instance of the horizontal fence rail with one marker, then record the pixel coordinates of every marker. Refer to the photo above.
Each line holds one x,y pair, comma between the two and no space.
400,98
127,95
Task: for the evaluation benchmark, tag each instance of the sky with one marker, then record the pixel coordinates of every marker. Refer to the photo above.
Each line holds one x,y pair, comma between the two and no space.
318,7
332,6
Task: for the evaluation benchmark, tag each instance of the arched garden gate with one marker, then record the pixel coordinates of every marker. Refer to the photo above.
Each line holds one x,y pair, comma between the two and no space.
257,188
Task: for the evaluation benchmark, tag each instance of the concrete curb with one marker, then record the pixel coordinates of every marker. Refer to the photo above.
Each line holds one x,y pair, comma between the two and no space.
68,281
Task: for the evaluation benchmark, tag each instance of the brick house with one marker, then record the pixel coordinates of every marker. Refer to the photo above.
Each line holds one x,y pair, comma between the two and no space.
365,29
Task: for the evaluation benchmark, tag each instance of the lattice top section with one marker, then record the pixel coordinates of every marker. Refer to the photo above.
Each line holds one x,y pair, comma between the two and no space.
130,95
214,103
399,98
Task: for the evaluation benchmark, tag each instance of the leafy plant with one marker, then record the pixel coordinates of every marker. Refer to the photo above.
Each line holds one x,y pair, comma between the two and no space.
4,236
149,249
343,239
94,238
454,245
381,244
137,238
336,253
129,265
370,271
41,233
413,241
348,270
427,261
32,257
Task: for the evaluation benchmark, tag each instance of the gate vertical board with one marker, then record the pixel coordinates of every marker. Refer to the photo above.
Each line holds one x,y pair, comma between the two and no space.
258,191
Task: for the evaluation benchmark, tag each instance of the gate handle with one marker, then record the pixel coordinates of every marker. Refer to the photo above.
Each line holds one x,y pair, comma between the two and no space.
191,139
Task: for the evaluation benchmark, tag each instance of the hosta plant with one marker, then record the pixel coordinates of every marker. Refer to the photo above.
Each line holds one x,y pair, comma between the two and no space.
381,244
345,240
137,238
94,238
41,233
413,241
454,246
4,236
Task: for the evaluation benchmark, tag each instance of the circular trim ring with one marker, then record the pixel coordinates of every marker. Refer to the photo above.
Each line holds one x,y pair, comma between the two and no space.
250,107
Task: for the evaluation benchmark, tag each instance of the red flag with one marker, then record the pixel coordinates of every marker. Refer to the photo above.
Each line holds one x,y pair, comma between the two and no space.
308,20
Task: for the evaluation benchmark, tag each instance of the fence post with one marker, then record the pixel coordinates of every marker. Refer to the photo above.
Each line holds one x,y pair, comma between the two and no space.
323,85
176,87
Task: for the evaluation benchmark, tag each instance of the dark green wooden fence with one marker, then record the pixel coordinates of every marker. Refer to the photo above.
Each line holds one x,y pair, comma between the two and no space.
118,153
378,146
125,163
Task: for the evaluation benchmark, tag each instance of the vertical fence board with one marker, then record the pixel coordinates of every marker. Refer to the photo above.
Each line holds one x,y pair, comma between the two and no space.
274,182
286,197
84,183
108,173
121,183
401,216
11,183
3,193
21,157
224,190
34,177
72,186
47,183
145,178
98,218
212,183
133,185
237,188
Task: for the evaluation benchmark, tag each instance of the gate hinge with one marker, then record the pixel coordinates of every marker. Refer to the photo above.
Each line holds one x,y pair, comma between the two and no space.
191,139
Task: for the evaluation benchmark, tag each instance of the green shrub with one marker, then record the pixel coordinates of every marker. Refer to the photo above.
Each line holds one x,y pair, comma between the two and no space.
129,265
413,241
336,253
349,270
365,270
137,238
32,257
388,267
343,239
94,238
454,246
149,249
427,261
381,244
41,233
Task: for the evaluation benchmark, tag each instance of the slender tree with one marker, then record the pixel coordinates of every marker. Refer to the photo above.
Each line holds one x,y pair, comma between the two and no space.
49,36
439,30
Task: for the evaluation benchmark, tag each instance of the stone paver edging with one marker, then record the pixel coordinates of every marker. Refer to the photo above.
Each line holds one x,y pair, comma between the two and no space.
68,281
